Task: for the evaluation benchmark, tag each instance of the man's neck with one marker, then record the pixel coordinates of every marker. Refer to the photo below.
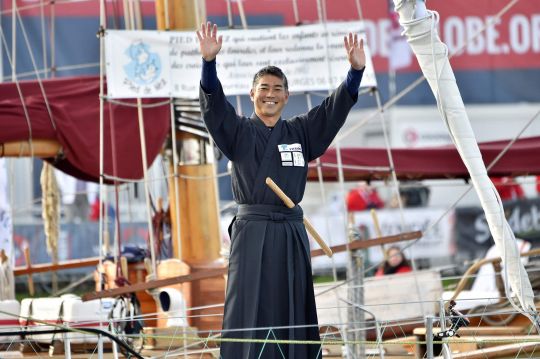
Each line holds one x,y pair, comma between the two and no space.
269,121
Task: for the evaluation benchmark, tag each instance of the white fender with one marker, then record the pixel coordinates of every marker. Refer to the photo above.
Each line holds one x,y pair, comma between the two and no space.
9,318
173,305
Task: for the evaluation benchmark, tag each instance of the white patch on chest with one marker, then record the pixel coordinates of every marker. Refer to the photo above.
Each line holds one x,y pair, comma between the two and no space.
291,155
286,156
298,159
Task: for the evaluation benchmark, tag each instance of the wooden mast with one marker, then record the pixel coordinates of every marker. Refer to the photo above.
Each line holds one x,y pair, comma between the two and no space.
197,195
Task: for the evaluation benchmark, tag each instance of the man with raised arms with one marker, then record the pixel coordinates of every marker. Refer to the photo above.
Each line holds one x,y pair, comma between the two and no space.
270,289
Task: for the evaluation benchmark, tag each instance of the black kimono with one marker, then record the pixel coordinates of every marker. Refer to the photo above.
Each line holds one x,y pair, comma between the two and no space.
269,284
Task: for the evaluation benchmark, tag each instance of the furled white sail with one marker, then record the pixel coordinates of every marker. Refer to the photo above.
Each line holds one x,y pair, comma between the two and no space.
432,55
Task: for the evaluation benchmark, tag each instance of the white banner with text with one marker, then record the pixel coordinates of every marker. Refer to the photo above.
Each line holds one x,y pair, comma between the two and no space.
168,64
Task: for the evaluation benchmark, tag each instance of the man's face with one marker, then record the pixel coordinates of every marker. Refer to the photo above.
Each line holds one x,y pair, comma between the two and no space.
269,96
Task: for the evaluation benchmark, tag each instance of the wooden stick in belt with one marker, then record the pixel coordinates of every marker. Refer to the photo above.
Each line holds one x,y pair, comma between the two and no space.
309,226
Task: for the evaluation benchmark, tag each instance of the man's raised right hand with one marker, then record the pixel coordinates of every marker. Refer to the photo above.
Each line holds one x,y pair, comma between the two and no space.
209,42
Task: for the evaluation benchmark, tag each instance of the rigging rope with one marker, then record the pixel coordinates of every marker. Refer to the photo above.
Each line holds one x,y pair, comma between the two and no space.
58,69
36,74
52,37
121,277
19,91
146,190
175,187
135,105
392,101
43,35
102,192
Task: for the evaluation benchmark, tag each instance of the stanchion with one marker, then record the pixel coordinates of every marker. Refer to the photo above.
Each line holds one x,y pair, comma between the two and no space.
67,346
379,339
429,337
356,297
100,346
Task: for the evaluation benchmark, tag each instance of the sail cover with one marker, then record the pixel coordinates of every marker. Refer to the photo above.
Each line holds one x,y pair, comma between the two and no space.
441,162
74,106
432,56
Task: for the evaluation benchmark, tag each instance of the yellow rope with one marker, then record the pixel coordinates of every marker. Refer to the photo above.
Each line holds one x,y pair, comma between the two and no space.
51,212
334,342
285,341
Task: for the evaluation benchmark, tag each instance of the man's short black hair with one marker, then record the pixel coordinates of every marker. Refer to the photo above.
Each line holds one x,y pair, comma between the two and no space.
271,70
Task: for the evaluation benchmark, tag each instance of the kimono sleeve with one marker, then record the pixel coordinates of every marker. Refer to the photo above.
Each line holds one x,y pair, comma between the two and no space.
322,123
221,120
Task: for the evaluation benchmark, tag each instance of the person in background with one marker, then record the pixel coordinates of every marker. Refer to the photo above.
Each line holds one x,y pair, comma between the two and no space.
77,195
94,211
395,263
363,197
508,188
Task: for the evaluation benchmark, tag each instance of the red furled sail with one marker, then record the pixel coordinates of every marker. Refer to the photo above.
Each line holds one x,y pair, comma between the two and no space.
430,162
74,111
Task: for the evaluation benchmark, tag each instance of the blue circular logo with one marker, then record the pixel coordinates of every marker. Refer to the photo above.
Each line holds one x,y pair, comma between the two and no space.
145,66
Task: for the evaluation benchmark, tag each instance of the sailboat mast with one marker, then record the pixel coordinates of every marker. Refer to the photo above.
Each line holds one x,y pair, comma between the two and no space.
196,184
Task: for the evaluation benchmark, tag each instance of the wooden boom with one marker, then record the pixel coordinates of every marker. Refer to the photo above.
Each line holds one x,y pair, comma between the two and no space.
154,284
358,244
361,244
49,267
